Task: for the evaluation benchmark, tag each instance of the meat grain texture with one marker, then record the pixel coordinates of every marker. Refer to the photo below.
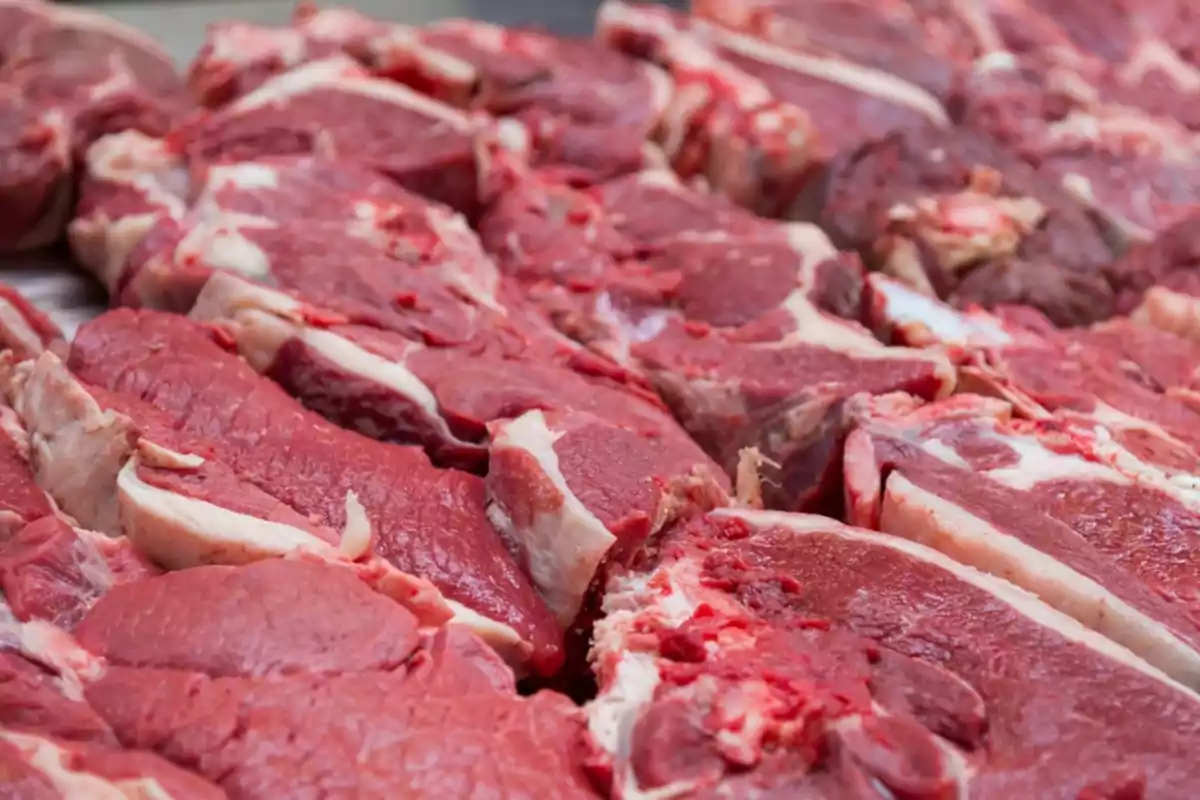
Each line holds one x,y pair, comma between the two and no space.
774,399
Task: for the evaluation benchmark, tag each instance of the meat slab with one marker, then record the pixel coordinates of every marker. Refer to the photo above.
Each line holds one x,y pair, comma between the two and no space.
866,660
191,483
67,77
652,274
463,368
1038,504
956,216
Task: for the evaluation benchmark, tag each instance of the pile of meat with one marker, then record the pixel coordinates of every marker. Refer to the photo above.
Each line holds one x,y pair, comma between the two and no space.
790,398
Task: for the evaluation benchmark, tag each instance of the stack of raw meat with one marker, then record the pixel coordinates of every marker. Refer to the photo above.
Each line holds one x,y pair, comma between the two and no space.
796,398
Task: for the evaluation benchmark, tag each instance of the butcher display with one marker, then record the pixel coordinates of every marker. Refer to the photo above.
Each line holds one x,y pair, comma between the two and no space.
763,399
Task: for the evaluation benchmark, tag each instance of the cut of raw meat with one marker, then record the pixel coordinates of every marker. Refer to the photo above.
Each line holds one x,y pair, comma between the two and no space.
37,767
238,57
1137,172
848,103
388,499
954,215
362,120
130,183
54,572
864,661
590,111
1018,356
579,494
68,76
1034,502
882,34
120,466
1158,282
653,275
341,673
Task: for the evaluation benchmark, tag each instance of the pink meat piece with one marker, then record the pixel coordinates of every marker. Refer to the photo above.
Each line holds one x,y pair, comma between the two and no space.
69,76
580,494
53,572
650,273
956,216
591,112
1135,170
882,34
365,120
34,699
295,674
749,615
238,57
1111,378
44,768
1043,504
847,103
1158,282
429,523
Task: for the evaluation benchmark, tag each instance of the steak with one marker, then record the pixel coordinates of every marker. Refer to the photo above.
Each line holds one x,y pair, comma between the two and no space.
68,76
1037,504
1102,375
1158,283
883,35
364,119
956,216
847,103
864,660
652,275
193,484
588,110
300,666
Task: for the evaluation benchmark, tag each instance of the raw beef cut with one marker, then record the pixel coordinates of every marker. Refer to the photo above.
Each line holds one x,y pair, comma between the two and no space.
847,103
579,495
335,109
866,661
299,672
954,215
67,77
44,768
882,34
653,275
589,110
199,483
1136,171
237,57
129,183
1137,387
1036,503
1158,282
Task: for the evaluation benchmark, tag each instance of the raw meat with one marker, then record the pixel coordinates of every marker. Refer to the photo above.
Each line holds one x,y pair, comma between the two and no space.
192,484
590,111
334,109
1037,504
43,768
1136,171
866,661
882,34
67,77
653,275
238,57
954,215
1158,282
1134,392
847,103
300,672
